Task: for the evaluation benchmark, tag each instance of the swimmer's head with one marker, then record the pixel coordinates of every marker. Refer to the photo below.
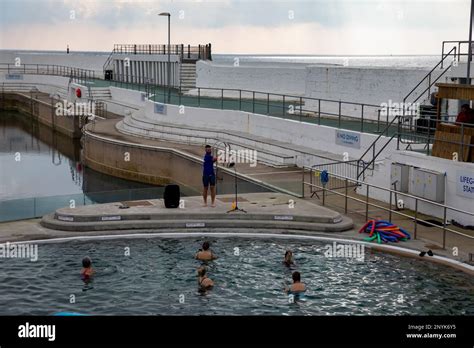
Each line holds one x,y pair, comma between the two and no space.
201,271
86,262
296,277
288,255
205,246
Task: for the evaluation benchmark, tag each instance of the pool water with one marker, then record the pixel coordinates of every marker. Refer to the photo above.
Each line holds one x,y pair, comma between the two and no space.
157,276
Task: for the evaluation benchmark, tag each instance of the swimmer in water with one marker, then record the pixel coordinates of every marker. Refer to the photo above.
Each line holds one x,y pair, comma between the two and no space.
297,287
205,254
288,261
87,271
204,282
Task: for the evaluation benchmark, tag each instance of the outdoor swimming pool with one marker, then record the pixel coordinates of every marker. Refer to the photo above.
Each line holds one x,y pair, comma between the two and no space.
159,278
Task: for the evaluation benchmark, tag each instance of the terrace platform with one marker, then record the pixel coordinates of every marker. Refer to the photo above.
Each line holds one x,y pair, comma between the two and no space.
264,211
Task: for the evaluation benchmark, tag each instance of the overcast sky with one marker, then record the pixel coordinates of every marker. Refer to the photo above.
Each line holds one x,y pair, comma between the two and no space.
353,27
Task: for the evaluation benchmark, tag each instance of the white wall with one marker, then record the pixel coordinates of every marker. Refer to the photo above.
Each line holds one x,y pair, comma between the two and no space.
368,85
78,60
44,83
122,97
381,178
312,136
281,80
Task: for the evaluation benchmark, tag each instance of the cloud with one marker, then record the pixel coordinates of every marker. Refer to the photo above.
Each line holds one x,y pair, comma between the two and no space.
239,26
305,38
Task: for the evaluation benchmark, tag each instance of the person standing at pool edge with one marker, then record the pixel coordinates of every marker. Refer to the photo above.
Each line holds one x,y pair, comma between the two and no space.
208,176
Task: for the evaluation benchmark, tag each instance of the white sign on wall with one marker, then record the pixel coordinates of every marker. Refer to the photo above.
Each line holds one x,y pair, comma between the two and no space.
14,77
160,108
465,184
346,138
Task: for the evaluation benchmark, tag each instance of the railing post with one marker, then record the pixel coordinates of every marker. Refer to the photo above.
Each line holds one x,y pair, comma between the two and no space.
444,228
253,102
373,156
390,207
416,219
222,99
301,107
268,103
378,121
339,122
345,197
240,99
367,204
324,194
319,111
362,118
398,133
199,97
442,55
429,86
302,183
462,142
284,112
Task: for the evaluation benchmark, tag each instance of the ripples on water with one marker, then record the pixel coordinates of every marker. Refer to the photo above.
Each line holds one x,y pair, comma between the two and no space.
151,280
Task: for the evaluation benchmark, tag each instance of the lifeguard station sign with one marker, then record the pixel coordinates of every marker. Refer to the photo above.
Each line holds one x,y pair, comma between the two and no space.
465,184
346,138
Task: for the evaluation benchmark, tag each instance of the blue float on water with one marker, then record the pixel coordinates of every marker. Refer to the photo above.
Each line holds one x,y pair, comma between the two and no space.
68,314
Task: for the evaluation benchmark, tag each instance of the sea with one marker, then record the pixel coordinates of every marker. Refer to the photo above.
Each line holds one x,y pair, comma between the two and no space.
395,61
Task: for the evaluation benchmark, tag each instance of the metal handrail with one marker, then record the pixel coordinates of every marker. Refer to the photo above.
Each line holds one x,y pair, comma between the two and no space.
428,76
430,84
48,69
459,46
440,205
391,211
202,51
372,146
107,61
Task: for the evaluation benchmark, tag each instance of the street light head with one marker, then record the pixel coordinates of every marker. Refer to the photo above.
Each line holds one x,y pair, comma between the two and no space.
164,14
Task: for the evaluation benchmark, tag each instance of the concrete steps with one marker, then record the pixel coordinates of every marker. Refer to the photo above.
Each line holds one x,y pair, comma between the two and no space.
270,152
264,211
188,76
100,93
50,222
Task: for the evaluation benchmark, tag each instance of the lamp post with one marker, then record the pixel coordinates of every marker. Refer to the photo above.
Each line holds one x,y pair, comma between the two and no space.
169,48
